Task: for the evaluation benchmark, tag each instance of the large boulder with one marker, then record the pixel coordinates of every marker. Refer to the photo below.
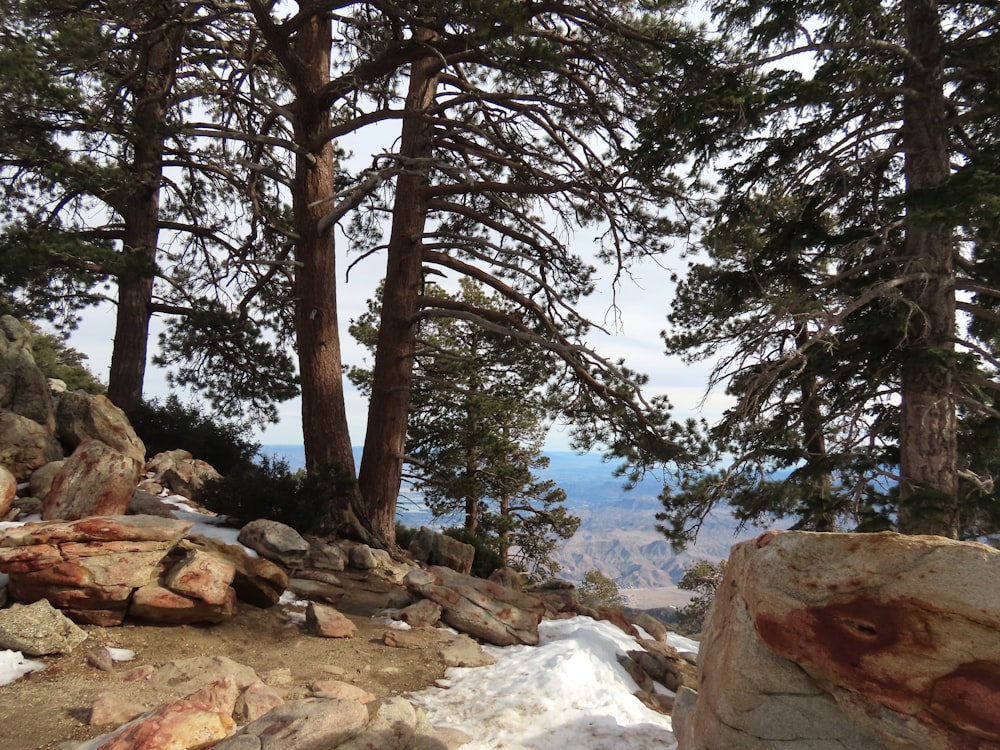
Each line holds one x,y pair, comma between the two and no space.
275,541
485,610
25,445
81,416
849,640
434,548
8,490
24,390
96,480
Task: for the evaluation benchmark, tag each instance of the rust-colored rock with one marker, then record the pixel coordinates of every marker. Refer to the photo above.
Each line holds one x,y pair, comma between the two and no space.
202,575
81,416
159,604
329,623
25,445
178,725
96,480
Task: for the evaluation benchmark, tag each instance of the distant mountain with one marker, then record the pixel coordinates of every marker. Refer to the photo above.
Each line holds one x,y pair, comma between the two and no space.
617,534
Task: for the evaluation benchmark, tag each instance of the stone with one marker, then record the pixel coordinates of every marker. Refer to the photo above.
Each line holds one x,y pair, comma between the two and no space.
165,459
653,626
38,629
220,695
340,689
97,529
8,491
507,577
866,640
362,557
484,610
316,590
391,727
96,480
310,724
255,701
434,548
24,390
329,623
177,725
183,677
423,613
113,708
100,658
275,541
257,581
158,604
325,555
146,504
25,445
461,651
202,575
81,416
187,477
41,478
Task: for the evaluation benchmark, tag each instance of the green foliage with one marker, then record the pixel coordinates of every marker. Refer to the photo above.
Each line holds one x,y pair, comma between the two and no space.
169,425
56,359
703,577
480,405
269,490
597,590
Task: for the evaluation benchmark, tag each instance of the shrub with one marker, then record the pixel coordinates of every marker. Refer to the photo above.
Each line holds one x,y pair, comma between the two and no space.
169,425
270,490
597,590
702,577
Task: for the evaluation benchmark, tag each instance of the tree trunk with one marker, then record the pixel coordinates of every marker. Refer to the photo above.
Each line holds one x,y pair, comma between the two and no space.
388,414
325,433
928,425
159,50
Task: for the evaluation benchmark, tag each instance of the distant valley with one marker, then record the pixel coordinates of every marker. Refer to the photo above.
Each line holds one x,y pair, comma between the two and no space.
617,534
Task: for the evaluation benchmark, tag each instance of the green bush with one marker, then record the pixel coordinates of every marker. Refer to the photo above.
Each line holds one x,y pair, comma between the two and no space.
270,490
597,590
169,425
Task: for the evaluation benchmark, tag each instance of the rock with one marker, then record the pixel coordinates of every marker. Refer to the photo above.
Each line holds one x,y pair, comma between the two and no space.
656,628
41,478
325,555
492,613
257,581
166,459
96,480
81,416
255,701
158,604
316,590
145,504
507,577
340,689
203,576
24,390
310,724
177,725
362,557
220,695
329,623
185,676
421,614
25,445
391,727
428,737
186,478
664,665
858,640
432,547
112,708
97,529
100,658
38,629
275,541
462,651
8,490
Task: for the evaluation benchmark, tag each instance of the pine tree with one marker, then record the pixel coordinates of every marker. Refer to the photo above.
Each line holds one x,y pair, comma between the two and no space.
854,147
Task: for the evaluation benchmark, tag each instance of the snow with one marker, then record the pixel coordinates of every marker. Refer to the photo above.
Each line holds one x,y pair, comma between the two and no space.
568,691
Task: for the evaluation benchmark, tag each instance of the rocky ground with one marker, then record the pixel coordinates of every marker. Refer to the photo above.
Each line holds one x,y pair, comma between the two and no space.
46,709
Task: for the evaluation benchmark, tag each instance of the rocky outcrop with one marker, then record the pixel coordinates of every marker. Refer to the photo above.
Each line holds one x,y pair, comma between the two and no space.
81,416
275,541
24,390
8,490
25,445
434,548
485,610
850,640
180,472
96,480
100,569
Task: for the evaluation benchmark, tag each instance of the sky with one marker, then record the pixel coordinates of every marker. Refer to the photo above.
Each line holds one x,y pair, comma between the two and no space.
642,300
569,691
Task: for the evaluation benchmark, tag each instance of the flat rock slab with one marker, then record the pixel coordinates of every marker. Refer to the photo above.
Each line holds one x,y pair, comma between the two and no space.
97,529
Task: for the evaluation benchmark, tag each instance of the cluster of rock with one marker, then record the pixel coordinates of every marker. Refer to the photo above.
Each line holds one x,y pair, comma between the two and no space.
849,640
217,702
